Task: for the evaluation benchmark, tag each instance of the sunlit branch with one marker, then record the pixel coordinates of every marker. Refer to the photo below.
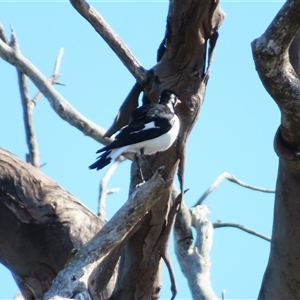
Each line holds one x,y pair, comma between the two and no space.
103,190
60,105
231,178
241,227
70,280
194,259
3,36
112,39
54,76
33,157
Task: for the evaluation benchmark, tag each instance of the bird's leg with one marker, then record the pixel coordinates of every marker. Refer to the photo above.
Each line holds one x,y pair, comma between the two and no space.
137,160
145,160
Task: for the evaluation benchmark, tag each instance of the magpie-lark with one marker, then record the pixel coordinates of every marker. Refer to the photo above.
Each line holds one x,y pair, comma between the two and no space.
152,128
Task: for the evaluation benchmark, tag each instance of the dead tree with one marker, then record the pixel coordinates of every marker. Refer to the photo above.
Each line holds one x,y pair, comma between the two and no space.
41,211
276,56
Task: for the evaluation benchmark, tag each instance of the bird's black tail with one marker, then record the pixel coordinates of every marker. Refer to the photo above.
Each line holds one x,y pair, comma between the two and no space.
103,160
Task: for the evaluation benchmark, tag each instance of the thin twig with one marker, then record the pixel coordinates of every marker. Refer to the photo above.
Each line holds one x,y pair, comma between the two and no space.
3,36
103,190
33,157
231,178
112,40
241,227
58,61
64,109
54,76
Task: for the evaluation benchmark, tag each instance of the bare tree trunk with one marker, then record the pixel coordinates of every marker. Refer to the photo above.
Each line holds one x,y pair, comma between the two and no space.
273,58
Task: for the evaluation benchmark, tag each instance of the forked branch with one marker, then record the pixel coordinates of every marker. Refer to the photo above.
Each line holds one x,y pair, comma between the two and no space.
60,105
231,178
54,76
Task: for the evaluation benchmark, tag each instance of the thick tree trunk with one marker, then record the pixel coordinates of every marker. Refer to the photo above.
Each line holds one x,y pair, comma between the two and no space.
40,223
191,25
276,63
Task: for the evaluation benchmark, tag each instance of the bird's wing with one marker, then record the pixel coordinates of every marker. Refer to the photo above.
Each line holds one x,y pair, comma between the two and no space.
135,134
146,123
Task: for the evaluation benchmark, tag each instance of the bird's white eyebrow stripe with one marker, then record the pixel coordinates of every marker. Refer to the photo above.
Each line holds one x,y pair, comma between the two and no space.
147,126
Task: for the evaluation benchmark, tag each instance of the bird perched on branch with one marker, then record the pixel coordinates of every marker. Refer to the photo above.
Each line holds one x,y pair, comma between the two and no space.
152,128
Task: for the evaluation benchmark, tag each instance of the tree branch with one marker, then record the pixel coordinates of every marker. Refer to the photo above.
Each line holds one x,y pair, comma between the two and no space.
231,178
103,190
241,227
112,39
64,109
33,157
71,280
273,64
194,259
271,57
54,76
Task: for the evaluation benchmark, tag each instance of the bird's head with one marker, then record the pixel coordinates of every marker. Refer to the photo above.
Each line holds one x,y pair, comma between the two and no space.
169,98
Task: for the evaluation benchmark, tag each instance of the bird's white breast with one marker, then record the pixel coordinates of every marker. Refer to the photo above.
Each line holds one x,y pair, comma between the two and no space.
160,143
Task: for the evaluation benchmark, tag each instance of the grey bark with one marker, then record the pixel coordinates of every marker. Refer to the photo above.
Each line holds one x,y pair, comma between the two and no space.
40,223
191,26
277,63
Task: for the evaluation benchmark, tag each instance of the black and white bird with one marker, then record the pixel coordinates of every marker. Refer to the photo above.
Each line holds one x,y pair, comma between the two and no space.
152,128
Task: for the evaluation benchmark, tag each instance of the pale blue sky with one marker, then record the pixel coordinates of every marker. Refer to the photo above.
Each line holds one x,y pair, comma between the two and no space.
234,132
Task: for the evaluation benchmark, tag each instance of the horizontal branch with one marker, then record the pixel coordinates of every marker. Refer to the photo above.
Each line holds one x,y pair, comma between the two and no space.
64,109
112,39
231,178
241,227
75,276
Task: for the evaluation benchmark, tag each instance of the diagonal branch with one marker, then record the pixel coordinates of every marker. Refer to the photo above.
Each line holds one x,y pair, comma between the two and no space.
112,39
241,227
231,178
60,105
54,76
74,277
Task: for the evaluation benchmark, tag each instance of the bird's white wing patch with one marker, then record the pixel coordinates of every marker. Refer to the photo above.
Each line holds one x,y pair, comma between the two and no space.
147,127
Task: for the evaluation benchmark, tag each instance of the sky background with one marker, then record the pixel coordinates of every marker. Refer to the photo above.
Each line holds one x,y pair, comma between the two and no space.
234,132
